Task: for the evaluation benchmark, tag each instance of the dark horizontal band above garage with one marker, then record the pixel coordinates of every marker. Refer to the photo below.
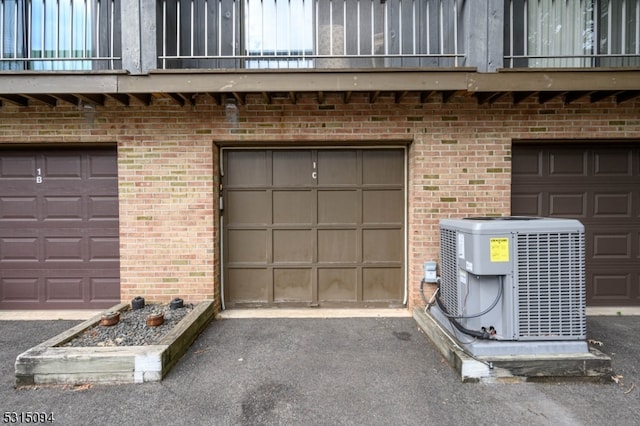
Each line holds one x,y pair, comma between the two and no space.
24,88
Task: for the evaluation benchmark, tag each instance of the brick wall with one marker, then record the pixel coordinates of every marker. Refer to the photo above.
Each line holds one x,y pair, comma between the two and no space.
459,165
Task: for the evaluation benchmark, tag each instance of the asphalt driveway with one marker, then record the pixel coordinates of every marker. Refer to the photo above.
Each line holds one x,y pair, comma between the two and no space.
374,371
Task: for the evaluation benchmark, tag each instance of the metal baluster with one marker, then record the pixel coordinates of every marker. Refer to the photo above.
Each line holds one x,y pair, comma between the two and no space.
164,34
193,28
455,32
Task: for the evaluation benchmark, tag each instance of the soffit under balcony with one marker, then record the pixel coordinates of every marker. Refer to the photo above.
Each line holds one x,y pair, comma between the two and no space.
183,86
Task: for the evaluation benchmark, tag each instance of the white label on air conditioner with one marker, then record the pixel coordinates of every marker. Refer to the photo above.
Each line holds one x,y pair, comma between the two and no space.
463,276
461,246
469,266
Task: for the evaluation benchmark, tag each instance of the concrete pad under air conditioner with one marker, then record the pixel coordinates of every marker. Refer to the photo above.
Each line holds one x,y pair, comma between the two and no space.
591,366
50,363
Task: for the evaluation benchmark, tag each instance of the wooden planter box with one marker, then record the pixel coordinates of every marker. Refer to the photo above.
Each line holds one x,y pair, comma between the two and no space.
50,363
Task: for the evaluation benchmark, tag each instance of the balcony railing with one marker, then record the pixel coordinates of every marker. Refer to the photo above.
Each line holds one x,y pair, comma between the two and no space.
310,33
572,33
60,34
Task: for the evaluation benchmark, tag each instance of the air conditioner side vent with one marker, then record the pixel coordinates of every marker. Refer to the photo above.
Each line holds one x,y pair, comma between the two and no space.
551,299
449,271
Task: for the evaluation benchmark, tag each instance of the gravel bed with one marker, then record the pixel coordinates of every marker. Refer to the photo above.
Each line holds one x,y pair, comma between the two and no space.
132,329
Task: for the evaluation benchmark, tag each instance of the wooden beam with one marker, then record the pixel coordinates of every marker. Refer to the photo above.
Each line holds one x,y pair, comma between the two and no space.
145,98
521,96
574,96
61,82
240,97
217,97
447,95
73,100
91,98
123,99
489,97
16,99
424,96
598,96
256,81
49,100
189,98
544,97
176,97
535,80
626,96
399,95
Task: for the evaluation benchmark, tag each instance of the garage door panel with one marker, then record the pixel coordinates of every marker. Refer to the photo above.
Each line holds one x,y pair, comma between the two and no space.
292,168
611,286
16,166
329,214
18,208
527,204
338,207
103,166
247,207
599,187
382,206
246,169
292,207
100,208
19,249
64,289
292,285
382,245
337,246
63,208
613,162
17,288
337,284
62,167
568,204
59,231
103,249
247,245
293,246
527,164
567,163
379,284
104,288
249,285
59,289
63,249
380,167
337,168
608,245
612,204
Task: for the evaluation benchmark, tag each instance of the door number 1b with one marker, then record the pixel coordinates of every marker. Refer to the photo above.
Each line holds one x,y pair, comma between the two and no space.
38,175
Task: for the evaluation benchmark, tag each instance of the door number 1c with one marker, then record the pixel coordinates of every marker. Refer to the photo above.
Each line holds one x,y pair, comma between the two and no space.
38,175
314,173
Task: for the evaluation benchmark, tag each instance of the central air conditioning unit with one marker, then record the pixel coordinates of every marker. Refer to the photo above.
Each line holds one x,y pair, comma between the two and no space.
513,285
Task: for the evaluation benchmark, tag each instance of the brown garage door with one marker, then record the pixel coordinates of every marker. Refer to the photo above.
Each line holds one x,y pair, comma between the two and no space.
599,184
314,227
59,228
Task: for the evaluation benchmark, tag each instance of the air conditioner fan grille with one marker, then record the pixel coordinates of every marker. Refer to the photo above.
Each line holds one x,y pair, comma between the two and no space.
551,295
